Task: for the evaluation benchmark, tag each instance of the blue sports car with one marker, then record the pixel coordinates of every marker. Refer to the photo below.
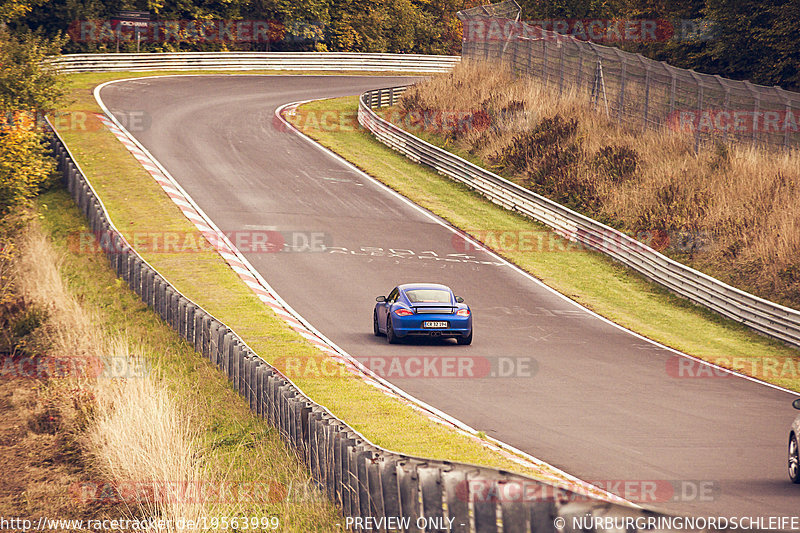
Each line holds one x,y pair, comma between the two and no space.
422,309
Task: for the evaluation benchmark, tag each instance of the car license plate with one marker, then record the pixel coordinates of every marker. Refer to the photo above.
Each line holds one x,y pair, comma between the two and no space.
434,324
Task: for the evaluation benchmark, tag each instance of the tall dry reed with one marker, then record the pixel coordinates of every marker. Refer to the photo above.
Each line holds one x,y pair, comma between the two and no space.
136,433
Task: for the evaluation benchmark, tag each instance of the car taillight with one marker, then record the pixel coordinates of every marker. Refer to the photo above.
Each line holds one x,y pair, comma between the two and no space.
403,312
462,312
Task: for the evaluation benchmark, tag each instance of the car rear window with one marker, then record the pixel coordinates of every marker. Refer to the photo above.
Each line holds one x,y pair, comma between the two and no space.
428,296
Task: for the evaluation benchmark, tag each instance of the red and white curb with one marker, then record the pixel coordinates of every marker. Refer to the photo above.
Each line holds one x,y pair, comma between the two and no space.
267,295
223,246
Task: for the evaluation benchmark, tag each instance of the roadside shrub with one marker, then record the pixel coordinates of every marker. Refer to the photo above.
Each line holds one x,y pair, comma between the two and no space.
29,88
541,144
25,164
617,162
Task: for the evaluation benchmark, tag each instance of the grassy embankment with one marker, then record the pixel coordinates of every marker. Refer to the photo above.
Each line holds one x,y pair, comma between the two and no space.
587,277
122,418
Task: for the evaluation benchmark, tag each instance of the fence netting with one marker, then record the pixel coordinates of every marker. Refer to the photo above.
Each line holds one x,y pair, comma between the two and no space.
630,87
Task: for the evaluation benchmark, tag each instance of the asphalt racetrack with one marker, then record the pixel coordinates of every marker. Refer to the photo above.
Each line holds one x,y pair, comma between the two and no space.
583,395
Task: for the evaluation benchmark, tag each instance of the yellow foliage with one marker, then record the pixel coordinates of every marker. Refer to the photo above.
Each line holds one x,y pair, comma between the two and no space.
24,163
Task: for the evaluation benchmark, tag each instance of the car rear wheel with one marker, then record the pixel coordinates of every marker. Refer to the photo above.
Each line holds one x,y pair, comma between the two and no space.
794,460
463,341
375,328
390,336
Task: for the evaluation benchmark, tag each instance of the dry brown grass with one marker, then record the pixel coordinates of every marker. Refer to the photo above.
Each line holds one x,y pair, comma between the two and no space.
141,439
134,431
155,434
731,211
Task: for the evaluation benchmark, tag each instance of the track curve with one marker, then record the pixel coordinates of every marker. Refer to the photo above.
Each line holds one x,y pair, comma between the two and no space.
600,403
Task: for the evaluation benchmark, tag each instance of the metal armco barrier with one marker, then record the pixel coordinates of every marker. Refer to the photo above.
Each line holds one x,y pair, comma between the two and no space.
413,494
766,317
323,61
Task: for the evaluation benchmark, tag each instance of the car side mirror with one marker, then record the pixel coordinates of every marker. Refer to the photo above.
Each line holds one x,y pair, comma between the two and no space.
380,299
459,299
796,403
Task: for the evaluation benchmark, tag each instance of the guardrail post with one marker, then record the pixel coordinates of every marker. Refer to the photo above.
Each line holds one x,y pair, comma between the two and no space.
542,515
182,321
193,322
372,466
280,409
162,299
390,487
151,288
168,296
315,445
129,268
485,508
272,407
362,477
290,394
515,516
236,366
213,340
200,331
224,347
456,491
408,481
430,480
286,412
337,471
251,380
133,268
232,360
329,461
261,388
351,479
156,293
302,412
176,311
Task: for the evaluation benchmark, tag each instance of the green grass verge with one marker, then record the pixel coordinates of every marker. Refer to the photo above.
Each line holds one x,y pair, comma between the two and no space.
590,278
137,204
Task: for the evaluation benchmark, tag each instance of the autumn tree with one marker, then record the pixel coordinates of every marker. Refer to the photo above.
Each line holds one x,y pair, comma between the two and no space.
30,87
